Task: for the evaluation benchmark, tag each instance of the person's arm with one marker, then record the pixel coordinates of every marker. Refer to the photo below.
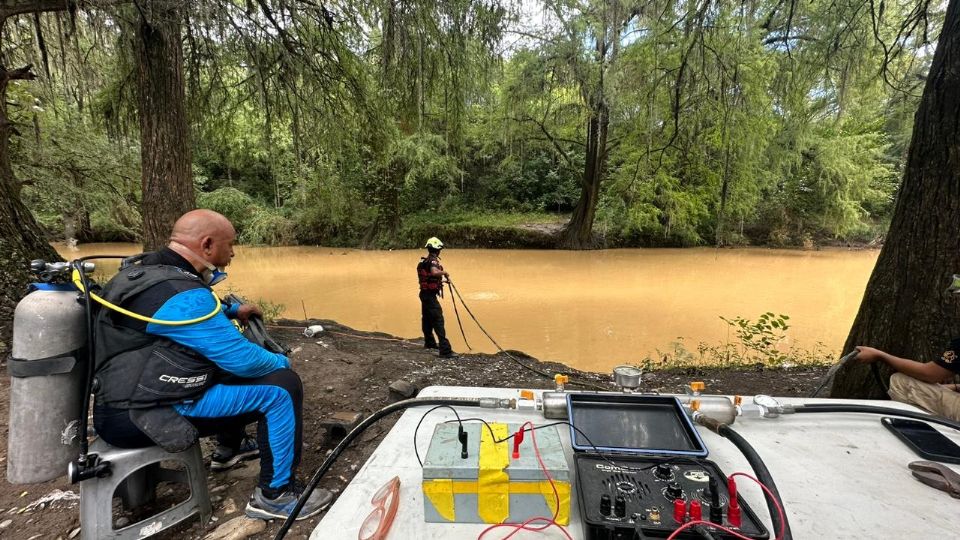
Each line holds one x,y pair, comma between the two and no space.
436,271
930,372
243,312
215,338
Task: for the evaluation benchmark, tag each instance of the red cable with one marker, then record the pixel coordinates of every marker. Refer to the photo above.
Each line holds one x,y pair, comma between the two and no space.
731,531
556,495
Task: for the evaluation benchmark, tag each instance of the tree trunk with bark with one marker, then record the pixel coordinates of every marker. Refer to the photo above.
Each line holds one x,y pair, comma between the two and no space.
164,134
906,310
578,234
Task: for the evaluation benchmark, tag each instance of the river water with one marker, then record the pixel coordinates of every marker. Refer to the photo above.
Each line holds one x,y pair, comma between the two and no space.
589,309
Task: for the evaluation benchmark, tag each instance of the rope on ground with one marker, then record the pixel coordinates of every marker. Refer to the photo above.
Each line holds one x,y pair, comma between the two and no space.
510,356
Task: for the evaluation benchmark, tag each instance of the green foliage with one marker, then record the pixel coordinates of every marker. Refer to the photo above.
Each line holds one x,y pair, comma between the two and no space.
759,343
236,205
369,130
268,227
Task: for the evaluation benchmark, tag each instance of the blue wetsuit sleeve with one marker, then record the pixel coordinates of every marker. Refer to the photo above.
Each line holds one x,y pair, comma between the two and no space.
215,338
230,310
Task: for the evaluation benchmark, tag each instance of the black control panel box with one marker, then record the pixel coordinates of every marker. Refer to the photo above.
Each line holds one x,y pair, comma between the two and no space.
621,494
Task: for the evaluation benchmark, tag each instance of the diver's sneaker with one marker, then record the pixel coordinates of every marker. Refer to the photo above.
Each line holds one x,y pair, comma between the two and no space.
450,355
224,458
263,507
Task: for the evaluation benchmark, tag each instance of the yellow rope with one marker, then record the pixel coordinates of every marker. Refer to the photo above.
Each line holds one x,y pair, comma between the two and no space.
78,283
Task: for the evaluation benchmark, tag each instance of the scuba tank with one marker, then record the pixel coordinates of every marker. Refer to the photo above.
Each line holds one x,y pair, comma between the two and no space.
47,377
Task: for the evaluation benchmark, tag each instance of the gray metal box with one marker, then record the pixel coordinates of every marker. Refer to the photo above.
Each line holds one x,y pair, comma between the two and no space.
489,485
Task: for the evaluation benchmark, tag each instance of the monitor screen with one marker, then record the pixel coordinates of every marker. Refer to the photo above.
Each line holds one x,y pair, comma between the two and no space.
651,423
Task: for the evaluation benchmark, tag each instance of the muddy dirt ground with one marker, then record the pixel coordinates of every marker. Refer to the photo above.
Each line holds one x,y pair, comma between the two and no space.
347,370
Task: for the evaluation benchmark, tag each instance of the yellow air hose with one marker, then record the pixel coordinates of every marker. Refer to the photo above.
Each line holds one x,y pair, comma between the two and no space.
78,283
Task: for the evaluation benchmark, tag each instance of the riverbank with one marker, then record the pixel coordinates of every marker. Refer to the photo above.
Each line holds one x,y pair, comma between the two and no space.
345,370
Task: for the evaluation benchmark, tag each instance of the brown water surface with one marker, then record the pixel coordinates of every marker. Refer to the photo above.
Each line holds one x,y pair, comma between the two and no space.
589,309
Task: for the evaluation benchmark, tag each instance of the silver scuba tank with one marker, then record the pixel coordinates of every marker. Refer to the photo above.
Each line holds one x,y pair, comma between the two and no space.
47,380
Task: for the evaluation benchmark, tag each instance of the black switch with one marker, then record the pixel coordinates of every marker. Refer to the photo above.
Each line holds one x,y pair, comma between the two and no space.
620,507
605,504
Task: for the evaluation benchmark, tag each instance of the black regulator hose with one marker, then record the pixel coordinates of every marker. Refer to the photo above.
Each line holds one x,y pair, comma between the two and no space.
83,432
354,433
758,466
872,409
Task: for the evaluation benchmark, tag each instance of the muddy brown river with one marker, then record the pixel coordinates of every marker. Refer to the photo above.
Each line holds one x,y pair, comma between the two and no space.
589,309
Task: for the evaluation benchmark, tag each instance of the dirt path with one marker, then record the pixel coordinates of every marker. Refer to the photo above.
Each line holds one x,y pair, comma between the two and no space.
346,370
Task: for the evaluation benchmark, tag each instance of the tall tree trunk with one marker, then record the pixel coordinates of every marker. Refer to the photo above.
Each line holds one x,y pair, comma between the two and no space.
578,234
164,135
905,309
21,238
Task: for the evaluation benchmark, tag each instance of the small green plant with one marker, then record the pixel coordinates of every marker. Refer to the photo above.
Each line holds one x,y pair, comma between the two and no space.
763,336
758,342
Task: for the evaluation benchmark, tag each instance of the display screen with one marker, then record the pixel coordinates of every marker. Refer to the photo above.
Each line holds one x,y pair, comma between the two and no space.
924,438
653,423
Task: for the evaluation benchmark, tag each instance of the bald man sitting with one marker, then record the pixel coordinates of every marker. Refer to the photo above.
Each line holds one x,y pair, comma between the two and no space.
160,381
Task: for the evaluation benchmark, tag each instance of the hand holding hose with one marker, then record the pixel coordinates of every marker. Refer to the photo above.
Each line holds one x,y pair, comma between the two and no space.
868,355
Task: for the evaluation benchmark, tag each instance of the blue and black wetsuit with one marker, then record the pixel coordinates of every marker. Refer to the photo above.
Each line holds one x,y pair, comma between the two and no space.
252,384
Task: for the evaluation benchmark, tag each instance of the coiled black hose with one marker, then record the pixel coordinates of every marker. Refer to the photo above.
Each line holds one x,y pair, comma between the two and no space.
871,409
759,467
354,433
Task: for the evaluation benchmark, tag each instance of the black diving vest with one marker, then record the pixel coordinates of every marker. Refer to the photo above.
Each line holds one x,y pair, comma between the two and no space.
135,370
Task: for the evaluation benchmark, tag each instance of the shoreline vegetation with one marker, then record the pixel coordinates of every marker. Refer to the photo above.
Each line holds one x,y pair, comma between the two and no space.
467,230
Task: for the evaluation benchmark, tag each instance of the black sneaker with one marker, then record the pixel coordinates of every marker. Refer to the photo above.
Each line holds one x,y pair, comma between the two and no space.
450,355
224,458
280,507
434,346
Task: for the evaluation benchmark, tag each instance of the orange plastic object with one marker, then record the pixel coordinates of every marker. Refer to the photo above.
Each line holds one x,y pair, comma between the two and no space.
697,386
695,405
560,378
526,394
737,400
385,502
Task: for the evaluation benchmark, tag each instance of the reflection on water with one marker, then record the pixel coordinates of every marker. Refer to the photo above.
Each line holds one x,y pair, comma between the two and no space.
591,309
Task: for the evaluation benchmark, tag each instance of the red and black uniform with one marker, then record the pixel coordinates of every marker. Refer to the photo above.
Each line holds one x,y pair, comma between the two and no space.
431,313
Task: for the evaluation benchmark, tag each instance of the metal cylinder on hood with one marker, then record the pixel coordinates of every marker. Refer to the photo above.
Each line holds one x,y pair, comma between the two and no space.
47,380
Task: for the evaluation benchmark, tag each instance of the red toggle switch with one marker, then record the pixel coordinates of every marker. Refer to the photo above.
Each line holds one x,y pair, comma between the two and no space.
517,439
696,510
679,510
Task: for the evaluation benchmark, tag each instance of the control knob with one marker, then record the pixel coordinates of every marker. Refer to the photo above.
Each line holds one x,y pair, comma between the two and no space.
663,471
674,491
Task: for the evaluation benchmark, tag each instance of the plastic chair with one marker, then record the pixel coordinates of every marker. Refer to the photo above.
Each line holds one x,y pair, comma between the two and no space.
135,473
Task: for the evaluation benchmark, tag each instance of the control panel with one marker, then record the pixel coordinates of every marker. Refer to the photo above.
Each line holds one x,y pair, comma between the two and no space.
620,495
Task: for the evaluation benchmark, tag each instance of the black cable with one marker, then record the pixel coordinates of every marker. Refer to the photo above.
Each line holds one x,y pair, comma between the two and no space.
759,468
871,409
84,412
510,356
705,532
876,377
354,433
416,451
453,298
763,474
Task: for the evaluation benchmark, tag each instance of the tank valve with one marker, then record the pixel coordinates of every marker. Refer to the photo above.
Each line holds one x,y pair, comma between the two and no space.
84,469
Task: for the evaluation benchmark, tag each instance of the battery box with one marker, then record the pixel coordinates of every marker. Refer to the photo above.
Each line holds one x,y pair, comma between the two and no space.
490,485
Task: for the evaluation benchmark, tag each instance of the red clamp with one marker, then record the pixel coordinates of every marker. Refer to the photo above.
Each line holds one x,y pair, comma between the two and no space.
733,511
517,439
